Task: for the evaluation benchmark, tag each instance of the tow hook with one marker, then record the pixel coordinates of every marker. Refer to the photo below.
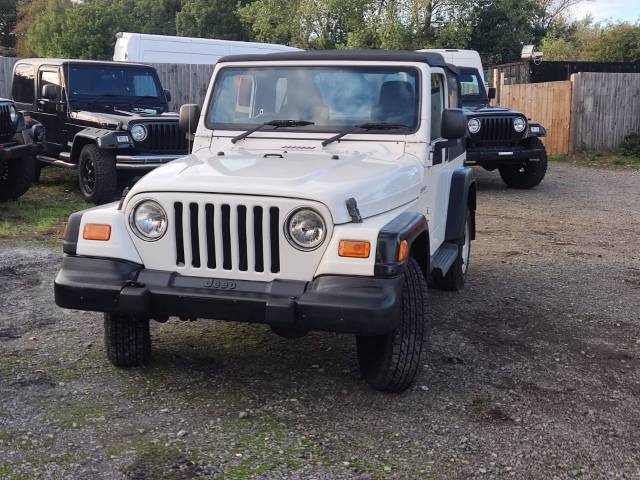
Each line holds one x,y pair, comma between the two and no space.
134,298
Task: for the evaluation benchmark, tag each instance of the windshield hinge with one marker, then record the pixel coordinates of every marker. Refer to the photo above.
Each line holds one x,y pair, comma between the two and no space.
352,208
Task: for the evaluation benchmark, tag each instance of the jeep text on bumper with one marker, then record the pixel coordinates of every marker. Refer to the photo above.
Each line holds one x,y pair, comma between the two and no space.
358,305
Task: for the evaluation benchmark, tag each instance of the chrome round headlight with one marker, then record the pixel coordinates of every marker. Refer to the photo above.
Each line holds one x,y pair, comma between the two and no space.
13,114
139,132
305,229
474,125
519,124
148,220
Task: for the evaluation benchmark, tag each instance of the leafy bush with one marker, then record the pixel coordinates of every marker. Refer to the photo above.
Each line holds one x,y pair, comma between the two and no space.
631,145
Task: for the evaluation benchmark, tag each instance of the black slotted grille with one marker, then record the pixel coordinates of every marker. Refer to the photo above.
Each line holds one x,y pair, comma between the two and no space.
497,129
230,237
164,137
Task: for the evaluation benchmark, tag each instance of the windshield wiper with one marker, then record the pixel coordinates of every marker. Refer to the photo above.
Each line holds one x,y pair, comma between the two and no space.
364,126
272,123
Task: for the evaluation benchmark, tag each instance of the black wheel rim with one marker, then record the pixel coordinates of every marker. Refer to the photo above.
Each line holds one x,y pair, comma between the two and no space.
4,171
87,175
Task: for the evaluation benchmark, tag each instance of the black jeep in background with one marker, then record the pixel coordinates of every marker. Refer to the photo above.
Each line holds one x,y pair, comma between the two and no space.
17,151
501,138
109,120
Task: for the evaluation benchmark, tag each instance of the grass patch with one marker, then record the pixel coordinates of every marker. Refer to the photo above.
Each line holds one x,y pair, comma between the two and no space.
38,217
613,159
77,414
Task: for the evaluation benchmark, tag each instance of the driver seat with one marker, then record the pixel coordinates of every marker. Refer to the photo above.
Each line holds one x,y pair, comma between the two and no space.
396,104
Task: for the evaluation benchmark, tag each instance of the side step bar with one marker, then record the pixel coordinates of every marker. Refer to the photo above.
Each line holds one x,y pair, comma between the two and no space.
59,162
443,259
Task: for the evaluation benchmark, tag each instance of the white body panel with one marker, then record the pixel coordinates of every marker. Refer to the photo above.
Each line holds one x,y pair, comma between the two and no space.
120,245
146,48
459,58
387,174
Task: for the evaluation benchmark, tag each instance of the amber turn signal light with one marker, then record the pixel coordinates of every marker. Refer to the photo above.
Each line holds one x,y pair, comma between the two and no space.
403,251
354,248
96,231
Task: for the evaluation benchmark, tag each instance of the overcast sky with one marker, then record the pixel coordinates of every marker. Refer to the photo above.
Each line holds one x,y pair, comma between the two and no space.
609,10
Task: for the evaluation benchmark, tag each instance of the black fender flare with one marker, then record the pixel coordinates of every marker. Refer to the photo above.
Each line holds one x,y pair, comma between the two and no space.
409,226
462,196
104,139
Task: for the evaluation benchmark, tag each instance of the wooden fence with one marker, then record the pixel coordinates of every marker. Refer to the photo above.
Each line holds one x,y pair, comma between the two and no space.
546,103
605,109
592,111
187,83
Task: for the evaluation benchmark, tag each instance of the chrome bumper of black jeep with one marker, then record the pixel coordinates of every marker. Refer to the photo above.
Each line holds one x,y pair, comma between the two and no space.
143,162
343,304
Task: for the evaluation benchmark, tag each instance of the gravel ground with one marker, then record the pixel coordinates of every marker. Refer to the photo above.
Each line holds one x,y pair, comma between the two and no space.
533,370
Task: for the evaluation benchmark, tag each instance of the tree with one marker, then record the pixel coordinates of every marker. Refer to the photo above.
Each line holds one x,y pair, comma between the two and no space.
211,19
87,29
28,12
7,27
499,28
617,43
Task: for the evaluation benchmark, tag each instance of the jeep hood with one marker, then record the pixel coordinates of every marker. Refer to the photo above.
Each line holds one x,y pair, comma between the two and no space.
377,184
482,110
113,118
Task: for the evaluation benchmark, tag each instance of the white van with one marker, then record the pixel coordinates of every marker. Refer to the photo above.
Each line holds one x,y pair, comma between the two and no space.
460,58
144,48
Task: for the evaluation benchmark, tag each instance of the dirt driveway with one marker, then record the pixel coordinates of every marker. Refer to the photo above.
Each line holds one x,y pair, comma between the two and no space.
534,369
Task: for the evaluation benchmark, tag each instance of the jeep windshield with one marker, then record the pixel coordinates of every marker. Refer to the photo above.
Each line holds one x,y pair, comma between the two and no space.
317,99
115,85
473,94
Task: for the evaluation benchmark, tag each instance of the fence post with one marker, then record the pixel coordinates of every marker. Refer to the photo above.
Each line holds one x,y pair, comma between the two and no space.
575,108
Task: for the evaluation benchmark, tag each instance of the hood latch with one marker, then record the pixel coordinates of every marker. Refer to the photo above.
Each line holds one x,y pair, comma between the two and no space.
352,208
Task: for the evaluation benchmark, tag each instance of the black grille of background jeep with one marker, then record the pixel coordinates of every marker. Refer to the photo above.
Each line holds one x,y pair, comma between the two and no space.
237,237
497,129
164,137
7,129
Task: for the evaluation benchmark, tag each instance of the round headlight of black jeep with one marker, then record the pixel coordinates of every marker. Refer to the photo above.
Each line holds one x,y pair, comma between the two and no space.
305,229
148,220
139,132
519,124
474,125
13,114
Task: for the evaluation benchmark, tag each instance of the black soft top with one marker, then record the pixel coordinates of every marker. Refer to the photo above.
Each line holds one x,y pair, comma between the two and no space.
430,58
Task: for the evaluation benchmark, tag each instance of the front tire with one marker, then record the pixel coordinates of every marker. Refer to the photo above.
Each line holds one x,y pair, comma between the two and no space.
127,340
390,363
97,175
16,175
531,173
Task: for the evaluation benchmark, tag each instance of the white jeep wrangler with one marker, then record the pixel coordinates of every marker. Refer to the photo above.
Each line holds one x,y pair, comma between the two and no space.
325,189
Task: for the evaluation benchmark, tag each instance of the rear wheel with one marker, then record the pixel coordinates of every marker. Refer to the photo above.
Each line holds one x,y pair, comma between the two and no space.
127,340
531,172
97,175
391,362
16,175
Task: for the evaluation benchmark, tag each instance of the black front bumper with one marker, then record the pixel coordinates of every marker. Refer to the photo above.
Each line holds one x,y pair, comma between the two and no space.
12,150
494,157
359,305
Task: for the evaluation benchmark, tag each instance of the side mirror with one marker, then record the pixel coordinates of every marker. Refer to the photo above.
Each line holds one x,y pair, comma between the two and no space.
50,92
167,95
454,124
189,117
491,93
